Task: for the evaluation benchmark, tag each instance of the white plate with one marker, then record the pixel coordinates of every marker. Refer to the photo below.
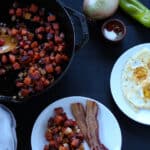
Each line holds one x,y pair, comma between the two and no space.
109,127
142,116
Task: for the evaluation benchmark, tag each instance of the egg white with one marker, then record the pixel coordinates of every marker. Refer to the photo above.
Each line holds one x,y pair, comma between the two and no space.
131,87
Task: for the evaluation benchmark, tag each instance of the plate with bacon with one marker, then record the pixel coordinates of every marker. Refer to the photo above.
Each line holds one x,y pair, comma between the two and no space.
76,123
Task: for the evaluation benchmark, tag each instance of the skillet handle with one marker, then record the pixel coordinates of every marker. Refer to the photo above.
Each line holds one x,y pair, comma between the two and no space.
84,27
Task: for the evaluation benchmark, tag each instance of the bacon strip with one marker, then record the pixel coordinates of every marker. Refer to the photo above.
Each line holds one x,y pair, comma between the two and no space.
88,124
79,114
92,126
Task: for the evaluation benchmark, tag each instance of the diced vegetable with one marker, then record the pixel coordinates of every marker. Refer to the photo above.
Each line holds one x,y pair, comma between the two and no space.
63,133
39,55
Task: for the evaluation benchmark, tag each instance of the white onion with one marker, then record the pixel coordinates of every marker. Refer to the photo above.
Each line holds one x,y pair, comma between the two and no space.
100,9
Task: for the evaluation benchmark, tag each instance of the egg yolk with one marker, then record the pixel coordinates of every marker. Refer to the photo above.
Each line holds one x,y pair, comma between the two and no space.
146,91
140,73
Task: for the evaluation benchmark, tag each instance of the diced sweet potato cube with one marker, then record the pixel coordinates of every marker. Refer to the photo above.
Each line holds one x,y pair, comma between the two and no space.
51,18
33,8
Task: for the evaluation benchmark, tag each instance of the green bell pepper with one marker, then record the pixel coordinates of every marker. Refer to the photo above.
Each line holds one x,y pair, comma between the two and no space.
137,11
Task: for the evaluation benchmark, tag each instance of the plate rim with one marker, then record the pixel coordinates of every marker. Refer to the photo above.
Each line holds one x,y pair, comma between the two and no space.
128,51
82,98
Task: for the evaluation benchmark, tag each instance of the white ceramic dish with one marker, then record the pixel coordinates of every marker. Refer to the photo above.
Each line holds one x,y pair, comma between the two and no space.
141,116
109,127
8,138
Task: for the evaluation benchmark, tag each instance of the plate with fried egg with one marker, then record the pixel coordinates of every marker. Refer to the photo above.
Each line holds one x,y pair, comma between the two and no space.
130,83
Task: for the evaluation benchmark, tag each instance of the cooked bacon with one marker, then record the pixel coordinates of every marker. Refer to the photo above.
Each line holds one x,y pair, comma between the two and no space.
92,126
88,124
79,114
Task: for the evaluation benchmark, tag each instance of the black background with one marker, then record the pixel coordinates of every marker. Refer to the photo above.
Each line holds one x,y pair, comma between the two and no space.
89,75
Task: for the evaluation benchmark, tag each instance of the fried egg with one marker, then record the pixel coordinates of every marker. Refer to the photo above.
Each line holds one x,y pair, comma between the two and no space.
135,79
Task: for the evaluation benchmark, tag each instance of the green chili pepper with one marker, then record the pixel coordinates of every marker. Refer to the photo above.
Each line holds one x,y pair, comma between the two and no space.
137,11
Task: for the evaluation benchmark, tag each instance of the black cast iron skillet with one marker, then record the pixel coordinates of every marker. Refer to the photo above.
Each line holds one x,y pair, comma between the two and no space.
7,83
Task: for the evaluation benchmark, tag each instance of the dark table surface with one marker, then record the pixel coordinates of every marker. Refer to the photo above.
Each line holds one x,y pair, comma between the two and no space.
89,75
